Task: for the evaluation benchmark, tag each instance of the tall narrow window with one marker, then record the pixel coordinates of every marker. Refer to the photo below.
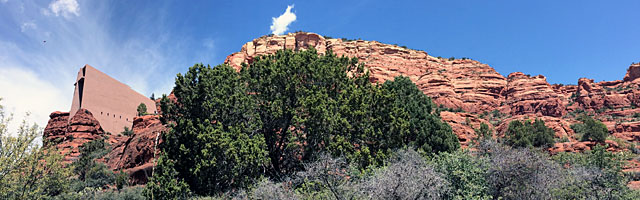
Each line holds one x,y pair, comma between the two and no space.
80,90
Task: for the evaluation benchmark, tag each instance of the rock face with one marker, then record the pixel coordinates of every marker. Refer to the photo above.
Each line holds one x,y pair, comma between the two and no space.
529,95
475,88
134,154
67,135
465,84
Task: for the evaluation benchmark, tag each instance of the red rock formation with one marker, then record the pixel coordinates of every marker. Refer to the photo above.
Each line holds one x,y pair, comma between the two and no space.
464,125
69,134
56,128
633,73
527,95
582,146
134,154
465,84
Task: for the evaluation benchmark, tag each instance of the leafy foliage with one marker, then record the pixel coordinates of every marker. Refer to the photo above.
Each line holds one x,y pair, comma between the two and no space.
142,109
520,173
127,131
28,171
310,103
165,183
527,134
215,142
466,174
484,132
596,173
591,129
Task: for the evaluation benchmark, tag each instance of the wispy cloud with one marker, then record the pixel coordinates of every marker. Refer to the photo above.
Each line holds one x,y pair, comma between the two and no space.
28,25
280,24
66,8
25,92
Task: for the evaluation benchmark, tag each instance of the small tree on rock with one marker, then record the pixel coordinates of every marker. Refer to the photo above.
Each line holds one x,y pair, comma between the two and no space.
142,109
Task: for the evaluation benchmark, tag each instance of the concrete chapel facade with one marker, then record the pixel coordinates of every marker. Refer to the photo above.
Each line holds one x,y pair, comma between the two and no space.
111,102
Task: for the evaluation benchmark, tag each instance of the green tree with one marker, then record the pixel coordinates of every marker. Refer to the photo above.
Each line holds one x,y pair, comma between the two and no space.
214,142
91,173
122,180
591,129
28,171
142,109
409,118
528,134
310,103
165,182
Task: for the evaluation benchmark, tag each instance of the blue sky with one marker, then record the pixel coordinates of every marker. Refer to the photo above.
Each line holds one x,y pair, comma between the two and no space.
145,43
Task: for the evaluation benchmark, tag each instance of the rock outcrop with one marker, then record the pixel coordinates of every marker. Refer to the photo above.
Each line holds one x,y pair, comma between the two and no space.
134,154
67,135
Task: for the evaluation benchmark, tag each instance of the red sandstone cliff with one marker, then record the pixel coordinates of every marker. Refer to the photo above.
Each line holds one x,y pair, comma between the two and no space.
477,88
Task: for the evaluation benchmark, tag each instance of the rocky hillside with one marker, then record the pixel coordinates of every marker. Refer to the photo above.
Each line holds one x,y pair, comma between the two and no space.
469,93
474,92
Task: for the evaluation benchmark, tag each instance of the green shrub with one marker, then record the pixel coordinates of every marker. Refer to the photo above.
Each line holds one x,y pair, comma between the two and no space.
527,134
127,131
484,132
591,129
122,180
142,109
466,174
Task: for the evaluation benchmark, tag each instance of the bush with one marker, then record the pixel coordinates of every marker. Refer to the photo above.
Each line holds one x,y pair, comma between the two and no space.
267,189
466,174
407,176
484,132
527,134
122,180
520,173
596,173
165,183
591,129
326,178
127,131
142,109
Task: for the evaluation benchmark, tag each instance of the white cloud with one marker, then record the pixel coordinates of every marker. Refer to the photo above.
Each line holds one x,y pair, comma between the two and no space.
281,23
3,1
24,92
28,25
64,8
